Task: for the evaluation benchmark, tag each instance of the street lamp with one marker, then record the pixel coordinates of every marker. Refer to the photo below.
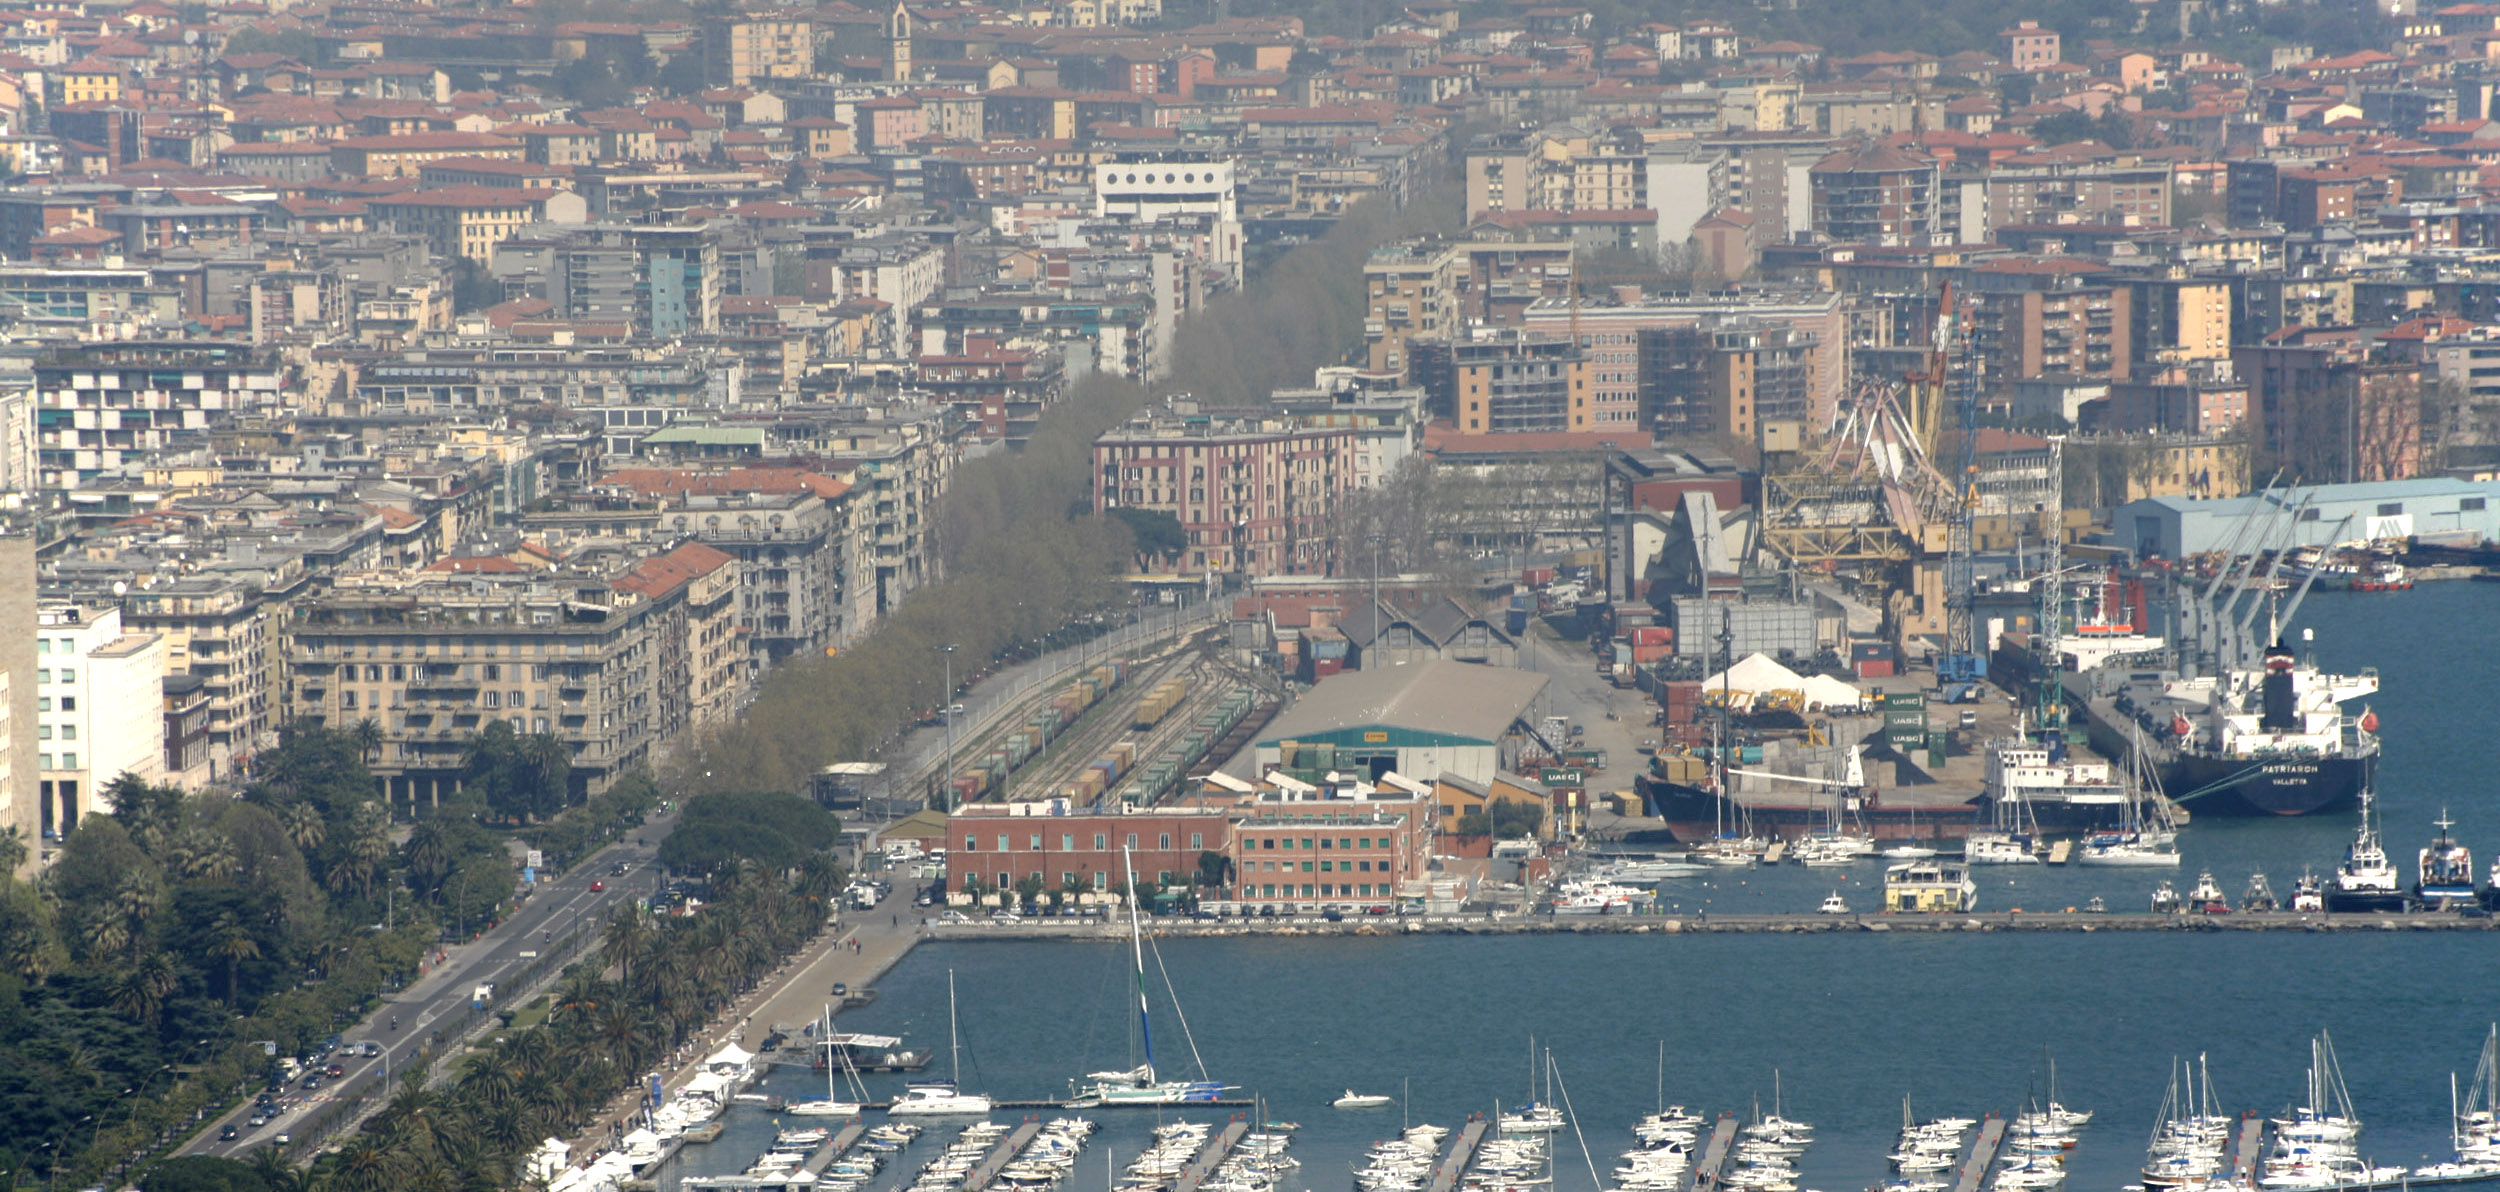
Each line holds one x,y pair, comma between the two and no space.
946,712
1375,541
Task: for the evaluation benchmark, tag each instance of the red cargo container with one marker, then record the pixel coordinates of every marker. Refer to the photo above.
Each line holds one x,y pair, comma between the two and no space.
1536,577
1644,655
1874,668
1321,668
1653,635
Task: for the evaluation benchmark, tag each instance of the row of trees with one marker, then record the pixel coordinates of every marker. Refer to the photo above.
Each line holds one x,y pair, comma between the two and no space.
171,938
1023,553
655,983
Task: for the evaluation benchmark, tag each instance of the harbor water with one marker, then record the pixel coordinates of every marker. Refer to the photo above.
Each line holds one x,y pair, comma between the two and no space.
1959,1023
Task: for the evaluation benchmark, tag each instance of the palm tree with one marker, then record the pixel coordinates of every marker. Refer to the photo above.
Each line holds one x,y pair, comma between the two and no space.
429,853
203,852
370,843
550,766
368,736
629,938
234,943
304,826
107,935
13,851
275,1172
364,1166
142,989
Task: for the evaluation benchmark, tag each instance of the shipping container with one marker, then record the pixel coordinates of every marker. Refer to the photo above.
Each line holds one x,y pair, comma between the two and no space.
1874,669
1653,635
1905,699
1536,577
1859,650
1516,622
1648,655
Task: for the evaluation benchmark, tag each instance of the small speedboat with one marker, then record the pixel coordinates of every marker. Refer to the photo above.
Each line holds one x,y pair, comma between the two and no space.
1355,1100
1835,904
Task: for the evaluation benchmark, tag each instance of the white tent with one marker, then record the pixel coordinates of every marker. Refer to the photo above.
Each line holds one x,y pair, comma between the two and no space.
1824,691
729,1056
1756,674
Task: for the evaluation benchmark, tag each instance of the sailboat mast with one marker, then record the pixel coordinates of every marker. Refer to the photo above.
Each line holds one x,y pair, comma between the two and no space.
1137,951
954,1040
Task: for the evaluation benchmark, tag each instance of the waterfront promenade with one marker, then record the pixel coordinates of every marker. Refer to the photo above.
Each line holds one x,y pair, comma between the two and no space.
1689,924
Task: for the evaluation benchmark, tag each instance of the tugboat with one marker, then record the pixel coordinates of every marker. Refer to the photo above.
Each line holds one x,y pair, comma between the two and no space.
2445,870
2308,894
2366,881
2382,575
2205,898
1835,904
2260,896
2165,899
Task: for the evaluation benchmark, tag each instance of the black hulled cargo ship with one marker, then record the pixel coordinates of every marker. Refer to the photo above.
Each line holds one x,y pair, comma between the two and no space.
2275,741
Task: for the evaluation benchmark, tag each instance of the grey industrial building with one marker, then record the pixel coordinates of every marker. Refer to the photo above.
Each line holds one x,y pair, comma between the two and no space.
2437,508
1425,720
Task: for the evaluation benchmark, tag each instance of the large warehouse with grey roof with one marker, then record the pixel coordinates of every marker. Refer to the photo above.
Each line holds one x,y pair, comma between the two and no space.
1425,719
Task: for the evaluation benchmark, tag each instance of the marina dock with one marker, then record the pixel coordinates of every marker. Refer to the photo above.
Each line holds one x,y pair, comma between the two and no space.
1983,1151
1706,1173
2252,1150
1218,1145
1462,1151
833,1147
1006,1150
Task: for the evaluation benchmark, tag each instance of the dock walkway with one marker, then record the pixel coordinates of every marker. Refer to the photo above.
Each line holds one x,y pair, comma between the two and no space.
1006,1151
1218,1145
1462,1152
1705,1175
2252,1136
842,1140
1983,1151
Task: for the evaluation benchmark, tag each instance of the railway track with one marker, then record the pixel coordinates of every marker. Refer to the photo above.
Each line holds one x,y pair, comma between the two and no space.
1105,724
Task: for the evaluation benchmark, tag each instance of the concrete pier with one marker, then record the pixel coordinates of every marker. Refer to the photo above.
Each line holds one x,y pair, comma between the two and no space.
987,1169
1983,1151
1712,1166
1462,1151
2251,1149
1218,1145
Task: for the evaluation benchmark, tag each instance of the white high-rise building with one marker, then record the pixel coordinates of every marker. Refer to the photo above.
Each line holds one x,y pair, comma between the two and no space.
99,709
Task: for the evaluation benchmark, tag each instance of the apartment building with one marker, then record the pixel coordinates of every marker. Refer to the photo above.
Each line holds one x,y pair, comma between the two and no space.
1506,382
1411,290
99,709
1610,329
1253,496
740,49
223,629
471,221
433,656
105,404
701,665
1874,193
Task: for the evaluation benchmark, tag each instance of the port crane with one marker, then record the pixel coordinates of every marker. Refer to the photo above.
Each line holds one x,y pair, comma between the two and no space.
1962,660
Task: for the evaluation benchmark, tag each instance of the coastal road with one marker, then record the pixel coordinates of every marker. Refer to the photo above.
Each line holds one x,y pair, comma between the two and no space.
438,998
859,949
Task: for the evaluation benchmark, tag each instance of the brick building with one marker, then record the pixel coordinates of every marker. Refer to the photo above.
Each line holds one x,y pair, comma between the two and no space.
1001,844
